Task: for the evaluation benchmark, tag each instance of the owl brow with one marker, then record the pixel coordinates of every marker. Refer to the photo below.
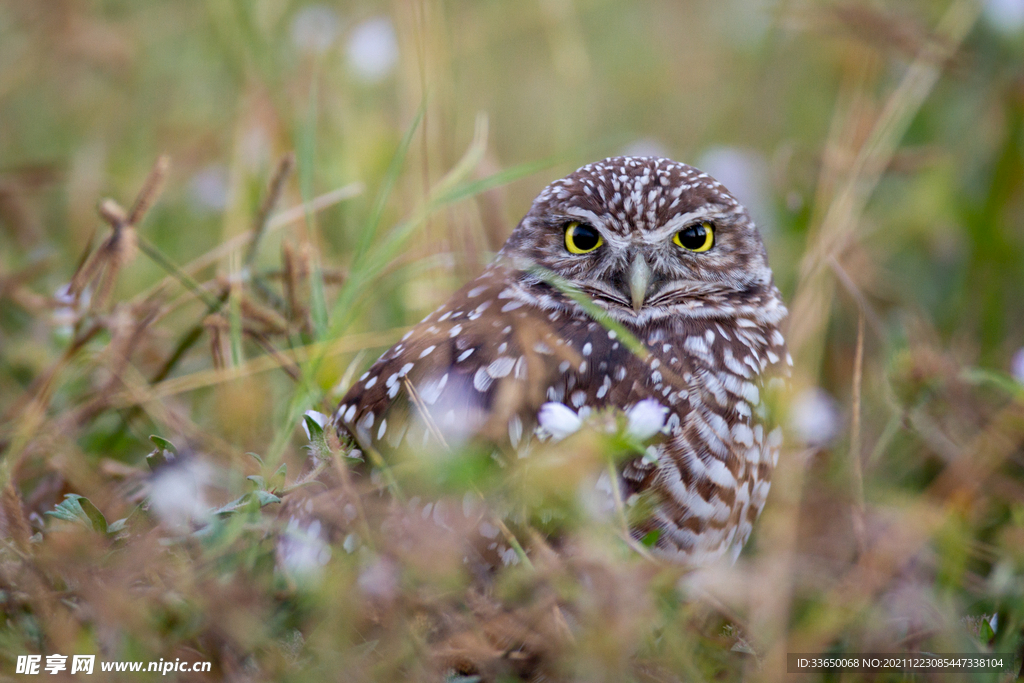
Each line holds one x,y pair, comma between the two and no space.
598,223
677,223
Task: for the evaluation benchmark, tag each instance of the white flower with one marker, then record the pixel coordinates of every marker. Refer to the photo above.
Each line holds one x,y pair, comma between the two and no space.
815,417
596,498
315,28
70,310
319,418
208,188
302,552
1006,16
646,147
746,174
177,497
558,420
64,296
379,579
373,50
646,419
1017,366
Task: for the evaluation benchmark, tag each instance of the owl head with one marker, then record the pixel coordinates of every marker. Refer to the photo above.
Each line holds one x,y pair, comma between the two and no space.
644,237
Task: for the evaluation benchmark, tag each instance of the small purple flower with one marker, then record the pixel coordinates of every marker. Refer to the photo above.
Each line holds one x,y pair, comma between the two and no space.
815,417
1017,365
646,419
559,420
373,50
303,552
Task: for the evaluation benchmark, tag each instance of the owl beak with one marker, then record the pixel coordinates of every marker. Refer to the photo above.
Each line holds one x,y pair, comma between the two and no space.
639,281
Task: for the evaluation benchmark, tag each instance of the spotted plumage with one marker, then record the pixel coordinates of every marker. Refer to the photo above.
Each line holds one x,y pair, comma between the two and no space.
680,265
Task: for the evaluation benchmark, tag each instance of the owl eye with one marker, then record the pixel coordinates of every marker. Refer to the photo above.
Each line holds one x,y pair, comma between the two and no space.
580,238
698,237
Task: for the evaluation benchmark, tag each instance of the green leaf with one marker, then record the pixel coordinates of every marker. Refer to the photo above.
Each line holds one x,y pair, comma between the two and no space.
280,476
261,485
117,526
993,378
76,508
96,518
163,443
234,506
122,524
69,510
315,430
650,538
317,439
165,452
985,632
262,497
266,498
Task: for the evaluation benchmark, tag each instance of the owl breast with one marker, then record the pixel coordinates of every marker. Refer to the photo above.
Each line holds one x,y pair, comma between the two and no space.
482,365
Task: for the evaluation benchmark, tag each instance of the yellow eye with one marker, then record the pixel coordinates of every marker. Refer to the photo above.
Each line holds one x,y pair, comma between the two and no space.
698,237
580,238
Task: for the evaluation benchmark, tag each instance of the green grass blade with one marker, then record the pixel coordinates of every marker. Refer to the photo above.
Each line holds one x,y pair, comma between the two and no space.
388,185
593,310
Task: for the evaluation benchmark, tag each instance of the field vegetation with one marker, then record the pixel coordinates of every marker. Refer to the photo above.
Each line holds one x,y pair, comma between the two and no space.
214,216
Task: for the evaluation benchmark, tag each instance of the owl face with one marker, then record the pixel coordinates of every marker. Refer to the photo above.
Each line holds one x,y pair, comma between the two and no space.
644,237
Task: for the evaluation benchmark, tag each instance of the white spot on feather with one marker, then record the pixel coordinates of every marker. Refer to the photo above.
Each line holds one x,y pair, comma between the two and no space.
515,430
430,391
500,367
482,380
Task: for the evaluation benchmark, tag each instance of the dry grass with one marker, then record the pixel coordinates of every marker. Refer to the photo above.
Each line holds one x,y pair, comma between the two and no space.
347,209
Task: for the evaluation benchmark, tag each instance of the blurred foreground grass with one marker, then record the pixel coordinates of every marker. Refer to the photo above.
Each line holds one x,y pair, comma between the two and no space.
337,170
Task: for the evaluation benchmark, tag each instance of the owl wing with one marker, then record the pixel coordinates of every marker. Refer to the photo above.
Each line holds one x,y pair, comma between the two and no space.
474,367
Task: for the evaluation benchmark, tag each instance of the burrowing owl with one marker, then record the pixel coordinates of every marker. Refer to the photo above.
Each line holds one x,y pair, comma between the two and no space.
669,254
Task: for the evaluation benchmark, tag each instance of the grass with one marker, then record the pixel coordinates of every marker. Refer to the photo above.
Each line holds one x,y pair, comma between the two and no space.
156,361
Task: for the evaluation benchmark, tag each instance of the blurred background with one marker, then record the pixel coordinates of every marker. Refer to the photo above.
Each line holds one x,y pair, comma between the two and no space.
879,146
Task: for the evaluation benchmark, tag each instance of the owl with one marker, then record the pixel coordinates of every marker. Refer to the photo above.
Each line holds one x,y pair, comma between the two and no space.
665,251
